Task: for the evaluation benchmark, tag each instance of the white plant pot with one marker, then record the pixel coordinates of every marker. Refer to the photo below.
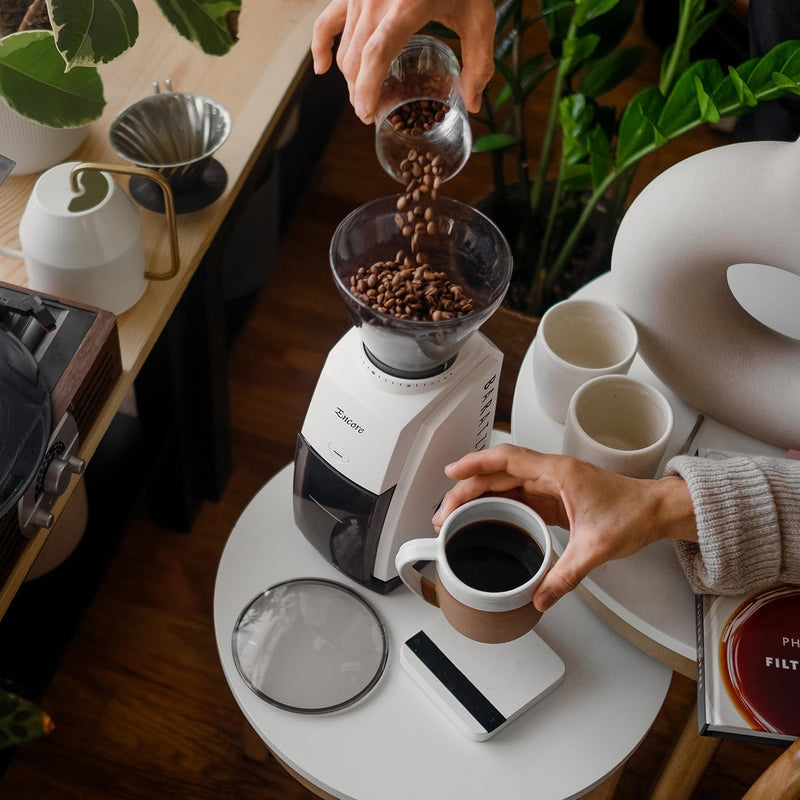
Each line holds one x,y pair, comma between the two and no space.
35,147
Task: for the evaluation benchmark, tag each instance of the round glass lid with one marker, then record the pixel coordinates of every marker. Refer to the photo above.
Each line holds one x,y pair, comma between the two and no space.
309,645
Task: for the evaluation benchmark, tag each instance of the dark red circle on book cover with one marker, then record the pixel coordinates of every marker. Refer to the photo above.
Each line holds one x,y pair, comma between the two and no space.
760,660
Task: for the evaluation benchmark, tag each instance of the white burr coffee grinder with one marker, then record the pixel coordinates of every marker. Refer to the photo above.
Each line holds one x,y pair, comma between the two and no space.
397,399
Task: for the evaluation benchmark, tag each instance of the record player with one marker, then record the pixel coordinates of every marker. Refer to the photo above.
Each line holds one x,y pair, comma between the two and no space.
58,364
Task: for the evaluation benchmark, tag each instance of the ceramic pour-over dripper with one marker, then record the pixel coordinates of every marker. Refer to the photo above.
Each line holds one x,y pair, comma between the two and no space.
467,246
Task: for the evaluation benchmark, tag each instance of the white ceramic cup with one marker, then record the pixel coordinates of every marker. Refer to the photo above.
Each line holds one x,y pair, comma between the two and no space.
489,614
578,340
619,423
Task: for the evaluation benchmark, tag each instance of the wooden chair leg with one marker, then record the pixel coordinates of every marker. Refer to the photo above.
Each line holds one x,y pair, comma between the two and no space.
686,763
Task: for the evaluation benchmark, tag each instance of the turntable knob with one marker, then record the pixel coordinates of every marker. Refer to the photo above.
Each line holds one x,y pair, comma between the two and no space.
60,472
42,519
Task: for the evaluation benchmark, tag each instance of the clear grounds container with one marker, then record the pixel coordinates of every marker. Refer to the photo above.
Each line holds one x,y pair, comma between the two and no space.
467,246
421,108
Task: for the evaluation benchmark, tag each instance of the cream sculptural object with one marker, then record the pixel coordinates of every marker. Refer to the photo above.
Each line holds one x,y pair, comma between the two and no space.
737,204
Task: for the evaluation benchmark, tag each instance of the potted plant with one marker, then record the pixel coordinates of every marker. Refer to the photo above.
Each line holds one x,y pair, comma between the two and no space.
21,720
567,199
50,48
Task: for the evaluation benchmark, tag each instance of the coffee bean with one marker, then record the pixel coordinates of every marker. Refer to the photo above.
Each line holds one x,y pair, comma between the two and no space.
409,287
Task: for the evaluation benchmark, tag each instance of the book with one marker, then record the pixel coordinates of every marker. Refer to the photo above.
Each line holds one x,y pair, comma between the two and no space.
748,665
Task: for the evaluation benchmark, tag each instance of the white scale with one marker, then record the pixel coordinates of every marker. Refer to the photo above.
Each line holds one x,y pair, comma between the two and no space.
480,688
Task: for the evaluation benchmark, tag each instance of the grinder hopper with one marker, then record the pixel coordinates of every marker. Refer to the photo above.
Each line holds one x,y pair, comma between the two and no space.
468,246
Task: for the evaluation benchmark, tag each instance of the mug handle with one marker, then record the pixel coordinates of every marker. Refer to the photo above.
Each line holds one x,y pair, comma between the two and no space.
409,554
169,207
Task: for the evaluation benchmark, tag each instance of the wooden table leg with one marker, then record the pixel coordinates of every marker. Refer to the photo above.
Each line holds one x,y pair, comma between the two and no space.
686,763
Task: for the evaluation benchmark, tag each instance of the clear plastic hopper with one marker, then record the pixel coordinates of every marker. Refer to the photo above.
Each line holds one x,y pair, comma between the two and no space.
467,246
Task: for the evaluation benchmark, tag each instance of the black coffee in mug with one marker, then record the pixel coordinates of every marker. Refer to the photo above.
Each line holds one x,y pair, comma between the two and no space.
493,555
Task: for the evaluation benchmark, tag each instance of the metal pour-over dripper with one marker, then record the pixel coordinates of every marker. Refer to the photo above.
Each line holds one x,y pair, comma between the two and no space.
467,246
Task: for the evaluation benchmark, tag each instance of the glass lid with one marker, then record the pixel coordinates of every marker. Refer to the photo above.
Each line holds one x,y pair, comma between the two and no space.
309,645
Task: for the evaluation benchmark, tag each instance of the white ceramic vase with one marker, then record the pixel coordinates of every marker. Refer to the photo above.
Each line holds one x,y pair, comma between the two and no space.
732,205
35,147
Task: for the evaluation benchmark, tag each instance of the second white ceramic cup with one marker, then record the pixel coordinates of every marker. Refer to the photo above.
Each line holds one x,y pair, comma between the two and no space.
619,423
578,340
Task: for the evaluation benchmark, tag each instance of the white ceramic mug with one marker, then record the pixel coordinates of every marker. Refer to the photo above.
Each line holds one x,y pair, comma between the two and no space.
490,555
619,423
578,340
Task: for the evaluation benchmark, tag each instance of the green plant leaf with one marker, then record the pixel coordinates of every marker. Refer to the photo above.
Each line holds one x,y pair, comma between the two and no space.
784,58
577,50
576,115
587,10
511,79
505,12
613,26
708,111
703,23
530,76
600,158
210,24
34,83
608,72
682,106
557,15
493,142
638,124
785,82
754,82
743,93
89,32
576,177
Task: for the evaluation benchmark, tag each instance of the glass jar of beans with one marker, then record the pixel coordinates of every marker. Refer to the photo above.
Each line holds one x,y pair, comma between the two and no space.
421,109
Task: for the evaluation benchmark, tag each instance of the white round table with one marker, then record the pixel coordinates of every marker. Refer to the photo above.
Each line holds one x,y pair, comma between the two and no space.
646,597
395,744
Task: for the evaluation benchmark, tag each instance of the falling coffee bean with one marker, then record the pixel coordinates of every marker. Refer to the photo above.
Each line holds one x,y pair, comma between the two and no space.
398,288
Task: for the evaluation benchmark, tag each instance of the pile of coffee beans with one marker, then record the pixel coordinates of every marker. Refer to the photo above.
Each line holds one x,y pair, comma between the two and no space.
418,116
408,291
409,287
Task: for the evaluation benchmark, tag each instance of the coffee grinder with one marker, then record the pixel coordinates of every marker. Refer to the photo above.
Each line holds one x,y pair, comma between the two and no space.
398,399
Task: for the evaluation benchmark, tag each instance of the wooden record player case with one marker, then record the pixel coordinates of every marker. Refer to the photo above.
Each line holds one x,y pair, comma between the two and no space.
85,383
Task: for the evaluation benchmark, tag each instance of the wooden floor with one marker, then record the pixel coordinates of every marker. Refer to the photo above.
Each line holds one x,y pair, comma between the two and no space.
141,706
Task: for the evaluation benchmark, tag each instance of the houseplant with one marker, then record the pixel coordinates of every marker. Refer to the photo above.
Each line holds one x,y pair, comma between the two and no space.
50,49
21,720
548,201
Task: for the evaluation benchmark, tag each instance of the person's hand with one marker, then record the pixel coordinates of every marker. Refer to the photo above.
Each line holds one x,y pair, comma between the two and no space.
375,31
608,515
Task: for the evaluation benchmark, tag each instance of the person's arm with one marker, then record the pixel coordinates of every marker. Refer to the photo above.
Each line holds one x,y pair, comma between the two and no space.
748,523
608,515
375,31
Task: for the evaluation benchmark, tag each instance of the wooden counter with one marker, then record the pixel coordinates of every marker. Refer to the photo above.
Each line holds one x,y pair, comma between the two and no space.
256,82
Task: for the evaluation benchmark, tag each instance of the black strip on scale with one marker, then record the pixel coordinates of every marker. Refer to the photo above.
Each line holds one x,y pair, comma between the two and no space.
455,681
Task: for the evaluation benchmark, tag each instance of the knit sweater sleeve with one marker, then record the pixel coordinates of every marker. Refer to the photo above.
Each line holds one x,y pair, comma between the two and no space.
748,523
